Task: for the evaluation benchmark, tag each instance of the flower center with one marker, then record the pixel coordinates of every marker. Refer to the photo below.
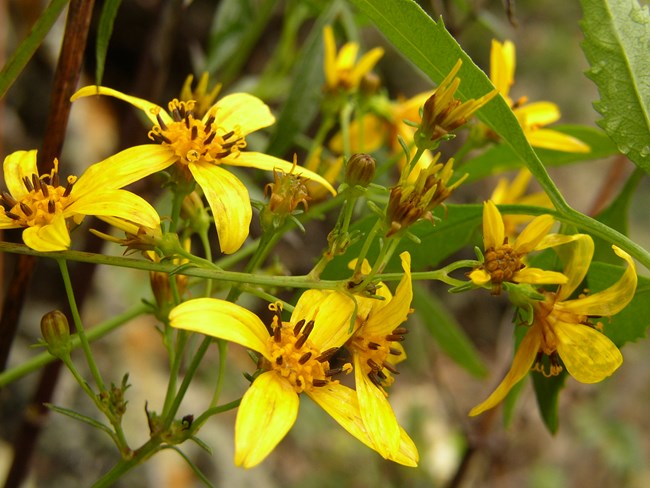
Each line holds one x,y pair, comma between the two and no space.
502,263
294,356
44,199
194,139
378,356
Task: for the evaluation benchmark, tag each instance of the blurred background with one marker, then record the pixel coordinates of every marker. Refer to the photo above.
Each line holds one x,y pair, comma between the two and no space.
604,434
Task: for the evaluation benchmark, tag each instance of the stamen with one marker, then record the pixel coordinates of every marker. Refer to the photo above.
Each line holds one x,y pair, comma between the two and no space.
209,139
51,206
318,382
11,201
394,351
55,180
296,329
374,346
222,154
373,365
381,375
25,208
176,115
12,216
401,330
279,360
28,183
68,188
210,121
305,334
277,334
187,123
390,367
36,182
44,190
305,357
161,122
194,132
325,355
373,377
333,372
230,144
228,135
394,338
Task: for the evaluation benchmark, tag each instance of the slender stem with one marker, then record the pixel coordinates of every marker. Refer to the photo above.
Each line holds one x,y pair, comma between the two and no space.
148,449
201,419
97,332
370,238
181,341
344,120
79,325
223,353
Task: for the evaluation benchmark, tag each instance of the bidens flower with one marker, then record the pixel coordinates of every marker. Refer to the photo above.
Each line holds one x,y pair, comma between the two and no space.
342,71
376,348
532,116
563,328
504,262
47,210
201,146
295,360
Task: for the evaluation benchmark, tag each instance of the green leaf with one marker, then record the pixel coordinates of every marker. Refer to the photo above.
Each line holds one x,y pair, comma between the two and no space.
547,391
616,216
501,157
431,48
27,48
617,42
83,418
104,32
446,331
305,94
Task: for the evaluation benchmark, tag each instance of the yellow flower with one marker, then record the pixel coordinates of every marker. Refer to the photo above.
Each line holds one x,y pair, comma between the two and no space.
342,71
504,262
295,360
562,327
376,349
47,210
533,116
204,99
513,193
329,168
200,147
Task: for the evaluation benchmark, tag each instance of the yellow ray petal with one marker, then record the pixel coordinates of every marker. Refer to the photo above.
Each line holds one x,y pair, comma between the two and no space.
589,356
149,109
18,165
389,314
376,412
229,201
480,277
493,228
269,163
408,453
365,65
533,234
329,62
347,56
221,319
242,110
502,66
51,237
331,313
124,168
556,141
610,301
365,137
523,360
267,412
116,203
537,276
537,114
576,258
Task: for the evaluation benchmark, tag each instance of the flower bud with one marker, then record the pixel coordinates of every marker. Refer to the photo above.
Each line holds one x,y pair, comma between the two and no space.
360,170
56,333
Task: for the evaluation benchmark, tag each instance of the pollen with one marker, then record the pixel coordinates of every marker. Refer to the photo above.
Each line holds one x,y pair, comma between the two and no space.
294,356
194,139
45,198
502,263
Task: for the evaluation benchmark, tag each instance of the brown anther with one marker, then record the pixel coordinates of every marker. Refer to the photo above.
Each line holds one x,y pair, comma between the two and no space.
194,132
374,378
36,182
325,355
374,346
381,375
222,154
230,144
279,360
298,327
333,372
12,216
305,357
394,351
318,382
228,135
394,338
210,138
277,334
298,382
25,208
187,123
28,184
161,122
55,180
44,190
51,206
176,115
373,365
210,121
390,367
9,200
401,330
68,189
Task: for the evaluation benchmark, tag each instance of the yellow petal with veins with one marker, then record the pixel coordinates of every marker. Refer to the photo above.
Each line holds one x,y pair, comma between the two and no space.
149,109
556,141
242,110
267,411
493,228
19,165
116,203
533,234
223,320
51,237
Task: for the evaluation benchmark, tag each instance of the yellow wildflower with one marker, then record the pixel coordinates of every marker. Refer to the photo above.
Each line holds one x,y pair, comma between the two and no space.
295,360
532,116
200,147
561,328
204,99
504,262
342,71
47,210
376,349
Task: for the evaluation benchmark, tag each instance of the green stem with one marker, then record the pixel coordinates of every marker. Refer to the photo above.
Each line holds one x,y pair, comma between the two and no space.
223,352
201,419
181,340
63,266
37,362
370,238
148,449
344,120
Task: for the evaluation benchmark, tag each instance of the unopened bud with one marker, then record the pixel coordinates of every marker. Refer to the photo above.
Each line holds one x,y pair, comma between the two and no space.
56,333
360,170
